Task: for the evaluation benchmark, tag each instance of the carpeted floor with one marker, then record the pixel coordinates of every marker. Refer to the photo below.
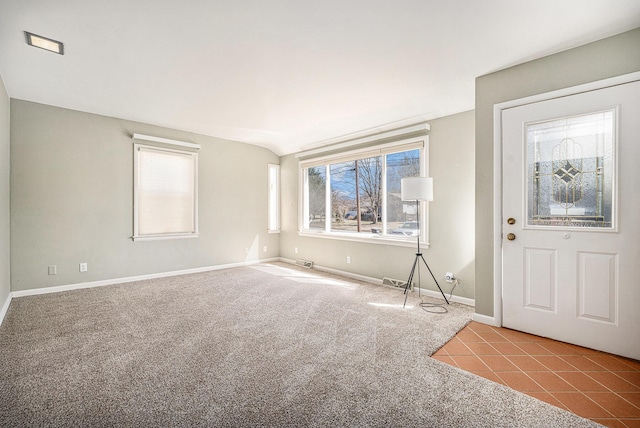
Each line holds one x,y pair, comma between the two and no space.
269,345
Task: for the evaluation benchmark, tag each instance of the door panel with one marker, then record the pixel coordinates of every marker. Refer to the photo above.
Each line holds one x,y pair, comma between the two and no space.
571,259
540,279
597,286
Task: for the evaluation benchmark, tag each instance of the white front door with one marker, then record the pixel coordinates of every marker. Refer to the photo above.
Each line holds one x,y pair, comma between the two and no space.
571,226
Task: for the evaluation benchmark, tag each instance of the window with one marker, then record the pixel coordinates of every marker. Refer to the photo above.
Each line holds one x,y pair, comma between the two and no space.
165,193
571,170
274,199
356,195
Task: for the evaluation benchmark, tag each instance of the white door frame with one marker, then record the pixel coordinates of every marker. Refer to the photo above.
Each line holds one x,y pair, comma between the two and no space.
497,172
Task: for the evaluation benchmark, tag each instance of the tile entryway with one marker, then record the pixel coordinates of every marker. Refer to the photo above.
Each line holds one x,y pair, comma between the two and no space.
599,386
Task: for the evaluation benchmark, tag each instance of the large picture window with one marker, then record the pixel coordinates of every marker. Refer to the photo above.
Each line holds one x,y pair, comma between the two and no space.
165,193
357,194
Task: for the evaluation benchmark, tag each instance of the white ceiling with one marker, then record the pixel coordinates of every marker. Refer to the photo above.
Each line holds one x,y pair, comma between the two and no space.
284,74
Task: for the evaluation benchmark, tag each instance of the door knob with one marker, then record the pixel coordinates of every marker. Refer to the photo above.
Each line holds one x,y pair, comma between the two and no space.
511,236
511,220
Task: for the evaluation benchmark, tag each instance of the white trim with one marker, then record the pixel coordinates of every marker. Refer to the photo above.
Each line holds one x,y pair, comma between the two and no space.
377,281
275,193
362,237
497,168
416,143
165,236
165,141
458,299
5,308
351,275
390,130
81,285
485,320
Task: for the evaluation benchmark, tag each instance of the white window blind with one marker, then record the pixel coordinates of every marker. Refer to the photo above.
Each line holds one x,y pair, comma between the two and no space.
362,154
165,193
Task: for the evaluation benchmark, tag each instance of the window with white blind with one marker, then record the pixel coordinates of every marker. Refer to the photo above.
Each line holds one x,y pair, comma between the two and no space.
165,193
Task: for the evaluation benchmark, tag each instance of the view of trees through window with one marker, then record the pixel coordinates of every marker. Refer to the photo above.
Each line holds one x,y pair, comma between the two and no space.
356,195
317,198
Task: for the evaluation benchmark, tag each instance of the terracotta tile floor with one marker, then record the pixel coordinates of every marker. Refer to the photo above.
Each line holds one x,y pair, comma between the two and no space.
602,387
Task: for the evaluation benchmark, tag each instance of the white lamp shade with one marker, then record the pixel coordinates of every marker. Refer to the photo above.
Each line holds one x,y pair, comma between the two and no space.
417,188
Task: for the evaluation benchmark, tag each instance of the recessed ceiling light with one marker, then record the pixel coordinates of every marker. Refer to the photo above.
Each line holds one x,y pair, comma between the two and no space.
45,43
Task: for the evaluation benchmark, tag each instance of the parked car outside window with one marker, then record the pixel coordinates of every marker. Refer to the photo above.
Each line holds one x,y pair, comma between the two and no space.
408,228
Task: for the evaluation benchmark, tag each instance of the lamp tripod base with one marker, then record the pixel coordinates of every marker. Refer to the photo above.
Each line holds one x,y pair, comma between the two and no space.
413,271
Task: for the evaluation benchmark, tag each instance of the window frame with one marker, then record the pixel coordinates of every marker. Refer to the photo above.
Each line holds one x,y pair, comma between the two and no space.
136,191
273,192
375,150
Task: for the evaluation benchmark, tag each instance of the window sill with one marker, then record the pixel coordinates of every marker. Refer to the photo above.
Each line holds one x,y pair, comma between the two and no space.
164,237
370,239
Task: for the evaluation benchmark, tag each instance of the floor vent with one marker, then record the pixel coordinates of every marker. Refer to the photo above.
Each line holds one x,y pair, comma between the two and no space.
395,283
304,263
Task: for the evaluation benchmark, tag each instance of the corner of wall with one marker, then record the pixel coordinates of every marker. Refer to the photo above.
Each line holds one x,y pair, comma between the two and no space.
5,226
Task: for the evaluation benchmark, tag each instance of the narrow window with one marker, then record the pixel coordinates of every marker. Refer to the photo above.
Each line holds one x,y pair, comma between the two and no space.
274,198
165,193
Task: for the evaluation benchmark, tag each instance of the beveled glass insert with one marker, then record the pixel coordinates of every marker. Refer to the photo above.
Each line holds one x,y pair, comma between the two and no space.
570,171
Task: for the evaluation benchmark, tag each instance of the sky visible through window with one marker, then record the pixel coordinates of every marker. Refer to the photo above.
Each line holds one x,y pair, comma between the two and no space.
368,184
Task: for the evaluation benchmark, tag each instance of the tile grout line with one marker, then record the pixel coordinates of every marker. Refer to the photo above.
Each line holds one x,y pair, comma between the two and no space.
612,416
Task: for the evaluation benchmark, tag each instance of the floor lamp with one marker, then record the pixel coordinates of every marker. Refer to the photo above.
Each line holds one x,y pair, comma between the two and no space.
418,189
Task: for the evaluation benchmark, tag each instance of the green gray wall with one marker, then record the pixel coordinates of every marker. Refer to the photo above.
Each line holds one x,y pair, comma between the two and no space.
72,200
451,217
5,272
606,58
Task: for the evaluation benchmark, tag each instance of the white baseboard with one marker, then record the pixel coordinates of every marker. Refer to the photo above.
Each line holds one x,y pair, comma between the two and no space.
101,283
454,298
5,307
484,319
377,281
349,274
465,301
338,272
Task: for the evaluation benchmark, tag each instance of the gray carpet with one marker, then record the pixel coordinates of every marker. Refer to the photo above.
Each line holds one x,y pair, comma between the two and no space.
269,345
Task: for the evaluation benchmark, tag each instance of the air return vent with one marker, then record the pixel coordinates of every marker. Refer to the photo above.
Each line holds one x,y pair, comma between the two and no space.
304,263
395,283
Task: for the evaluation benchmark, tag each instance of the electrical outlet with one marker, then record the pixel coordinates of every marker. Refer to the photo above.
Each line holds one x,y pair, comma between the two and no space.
295,250
83,267
264,248
53,270
449,277
348,259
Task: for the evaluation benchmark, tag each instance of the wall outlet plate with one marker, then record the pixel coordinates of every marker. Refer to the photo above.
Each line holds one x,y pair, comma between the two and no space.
449,277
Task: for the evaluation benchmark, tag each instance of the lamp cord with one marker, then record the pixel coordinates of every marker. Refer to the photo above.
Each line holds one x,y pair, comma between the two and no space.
429,306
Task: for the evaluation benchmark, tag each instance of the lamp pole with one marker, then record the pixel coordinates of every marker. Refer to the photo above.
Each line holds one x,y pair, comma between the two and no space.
358,198
418,189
